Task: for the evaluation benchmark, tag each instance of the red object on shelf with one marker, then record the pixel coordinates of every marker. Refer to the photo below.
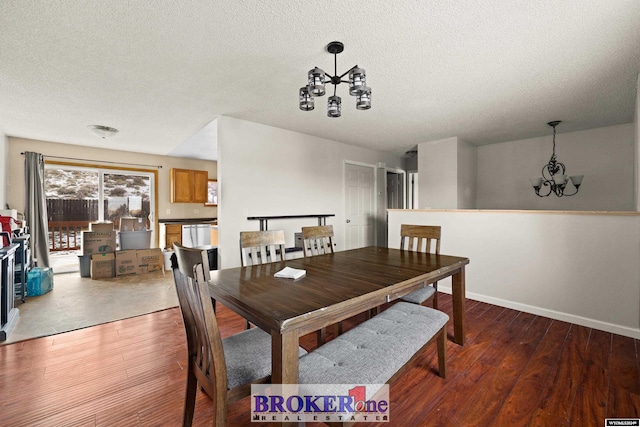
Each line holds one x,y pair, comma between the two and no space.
8,224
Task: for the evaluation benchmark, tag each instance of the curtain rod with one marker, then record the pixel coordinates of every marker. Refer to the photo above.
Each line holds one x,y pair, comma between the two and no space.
99,161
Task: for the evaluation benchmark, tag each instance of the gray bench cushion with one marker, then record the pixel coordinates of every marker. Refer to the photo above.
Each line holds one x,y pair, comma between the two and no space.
248,356
419,296
372,352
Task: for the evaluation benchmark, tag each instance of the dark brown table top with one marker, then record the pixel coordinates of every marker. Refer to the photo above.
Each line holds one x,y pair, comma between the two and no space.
336,286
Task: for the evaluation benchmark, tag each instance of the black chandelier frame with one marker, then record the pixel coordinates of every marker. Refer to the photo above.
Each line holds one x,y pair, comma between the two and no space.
553,168
315,87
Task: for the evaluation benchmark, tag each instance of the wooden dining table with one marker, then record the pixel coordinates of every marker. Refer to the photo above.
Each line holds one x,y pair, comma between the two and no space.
336,286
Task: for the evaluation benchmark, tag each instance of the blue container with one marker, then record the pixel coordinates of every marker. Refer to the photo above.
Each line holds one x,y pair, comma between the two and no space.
39,281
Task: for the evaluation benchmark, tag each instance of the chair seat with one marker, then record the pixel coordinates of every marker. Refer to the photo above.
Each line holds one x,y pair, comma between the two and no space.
419,296
248,356
375,350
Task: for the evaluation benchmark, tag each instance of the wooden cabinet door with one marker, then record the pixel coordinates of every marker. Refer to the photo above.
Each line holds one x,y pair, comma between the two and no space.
200,186
173,234
181,186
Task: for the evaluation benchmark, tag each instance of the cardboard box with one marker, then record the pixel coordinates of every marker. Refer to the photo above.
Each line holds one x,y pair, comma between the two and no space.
101,226
98,242
103,266
150,260
133,224
126,262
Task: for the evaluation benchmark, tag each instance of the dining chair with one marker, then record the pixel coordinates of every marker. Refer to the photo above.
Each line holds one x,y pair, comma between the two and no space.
317,240
261,247
187,258
223,368
419,238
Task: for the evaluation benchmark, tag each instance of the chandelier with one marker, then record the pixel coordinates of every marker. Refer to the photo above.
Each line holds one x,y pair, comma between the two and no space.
318,78
553,174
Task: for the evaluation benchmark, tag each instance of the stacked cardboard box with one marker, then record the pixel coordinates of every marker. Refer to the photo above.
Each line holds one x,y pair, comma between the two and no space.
150,260
126,262
101,226
100,245
98,242
103,265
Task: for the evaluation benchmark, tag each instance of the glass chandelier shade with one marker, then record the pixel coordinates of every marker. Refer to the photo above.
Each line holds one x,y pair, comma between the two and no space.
316,81
334,108
318,78
357,81
363,99
554,176
306,100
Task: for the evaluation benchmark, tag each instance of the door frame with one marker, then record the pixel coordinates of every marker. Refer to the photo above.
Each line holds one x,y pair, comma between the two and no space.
344,197
402,172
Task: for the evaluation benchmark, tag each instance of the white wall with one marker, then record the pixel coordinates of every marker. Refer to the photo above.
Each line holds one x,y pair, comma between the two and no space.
605,156
4,175
580,268
264,170
636,129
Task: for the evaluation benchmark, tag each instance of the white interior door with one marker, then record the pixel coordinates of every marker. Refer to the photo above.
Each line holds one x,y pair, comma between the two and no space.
360,205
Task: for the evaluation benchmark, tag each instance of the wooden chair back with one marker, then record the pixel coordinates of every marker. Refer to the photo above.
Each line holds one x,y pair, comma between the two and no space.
419,238
207,367
189,257
261,247
317,240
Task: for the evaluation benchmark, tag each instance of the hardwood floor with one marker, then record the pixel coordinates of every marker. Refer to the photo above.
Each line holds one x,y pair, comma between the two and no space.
516,369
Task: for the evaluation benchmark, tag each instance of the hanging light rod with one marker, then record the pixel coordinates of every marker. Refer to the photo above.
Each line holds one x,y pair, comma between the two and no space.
553,174
317,78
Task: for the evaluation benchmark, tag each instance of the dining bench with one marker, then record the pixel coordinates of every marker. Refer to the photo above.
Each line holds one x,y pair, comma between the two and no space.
378,350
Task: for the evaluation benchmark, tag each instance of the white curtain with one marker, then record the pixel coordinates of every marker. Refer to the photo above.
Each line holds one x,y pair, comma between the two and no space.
35,211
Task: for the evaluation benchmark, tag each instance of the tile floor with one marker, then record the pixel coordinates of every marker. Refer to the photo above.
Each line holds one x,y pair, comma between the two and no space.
77,302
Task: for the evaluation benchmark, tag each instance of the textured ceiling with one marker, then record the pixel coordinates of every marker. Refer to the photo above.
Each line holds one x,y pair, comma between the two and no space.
160,71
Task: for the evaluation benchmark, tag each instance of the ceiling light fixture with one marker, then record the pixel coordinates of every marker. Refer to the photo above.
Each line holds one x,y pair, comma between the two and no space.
553,174
317,78
103,131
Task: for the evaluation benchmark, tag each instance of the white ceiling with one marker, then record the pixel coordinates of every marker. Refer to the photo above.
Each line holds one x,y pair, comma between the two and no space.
160,71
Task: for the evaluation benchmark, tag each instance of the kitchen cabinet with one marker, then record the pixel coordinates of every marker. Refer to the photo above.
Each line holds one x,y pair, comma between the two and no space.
173,234
189,186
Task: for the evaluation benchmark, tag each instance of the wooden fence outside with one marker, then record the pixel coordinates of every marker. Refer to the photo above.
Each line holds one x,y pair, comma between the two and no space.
69,217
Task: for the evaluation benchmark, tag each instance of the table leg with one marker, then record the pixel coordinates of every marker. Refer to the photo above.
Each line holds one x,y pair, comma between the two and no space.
459,310
284,357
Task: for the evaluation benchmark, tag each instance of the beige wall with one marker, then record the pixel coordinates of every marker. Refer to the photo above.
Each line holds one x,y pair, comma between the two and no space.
4,163
166,209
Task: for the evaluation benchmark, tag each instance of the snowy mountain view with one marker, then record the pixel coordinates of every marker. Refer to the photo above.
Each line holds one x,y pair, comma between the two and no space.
78,184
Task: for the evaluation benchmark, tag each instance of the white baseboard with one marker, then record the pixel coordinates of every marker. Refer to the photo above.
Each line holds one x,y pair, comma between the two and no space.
552,314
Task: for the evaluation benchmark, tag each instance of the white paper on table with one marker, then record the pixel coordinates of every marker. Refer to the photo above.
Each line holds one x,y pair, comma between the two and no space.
290,273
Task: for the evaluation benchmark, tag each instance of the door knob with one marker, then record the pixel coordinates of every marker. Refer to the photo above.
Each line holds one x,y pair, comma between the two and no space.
348,221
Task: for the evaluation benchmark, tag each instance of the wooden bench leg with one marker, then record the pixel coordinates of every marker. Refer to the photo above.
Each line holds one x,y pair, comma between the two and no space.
321,336
442,353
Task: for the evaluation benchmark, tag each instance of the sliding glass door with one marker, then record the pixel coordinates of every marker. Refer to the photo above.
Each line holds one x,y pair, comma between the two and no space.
79,195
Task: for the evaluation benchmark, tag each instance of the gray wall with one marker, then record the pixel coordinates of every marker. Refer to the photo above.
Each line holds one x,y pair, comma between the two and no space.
605,156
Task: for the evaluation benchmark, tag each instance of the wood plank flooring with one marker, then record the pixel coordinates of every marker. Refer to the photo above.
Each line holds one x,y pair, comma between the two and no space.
516,369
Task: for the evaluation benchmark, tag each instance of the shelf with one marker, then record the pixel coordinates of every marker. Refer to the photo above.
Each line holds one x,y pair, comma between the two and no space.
264,220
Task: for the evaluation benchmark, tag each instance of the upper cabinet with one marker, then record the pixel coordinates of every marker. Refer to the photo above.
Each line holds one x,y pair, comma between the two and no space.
188,186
